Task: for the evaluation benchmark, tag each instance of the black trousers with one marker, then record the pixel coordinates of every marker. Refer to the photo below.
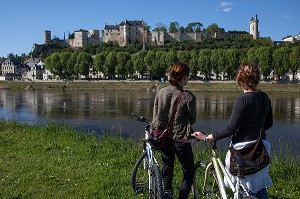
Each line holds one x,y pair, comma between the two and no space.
184,153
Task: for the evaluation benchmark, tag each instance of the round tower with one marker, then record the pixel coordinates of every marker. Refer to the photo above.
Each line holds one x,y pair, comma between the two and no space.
254,27
47,36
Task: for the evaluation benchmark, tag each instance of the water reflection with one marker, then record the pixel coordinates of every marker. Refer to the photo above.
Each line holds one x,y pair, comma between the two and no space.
101,111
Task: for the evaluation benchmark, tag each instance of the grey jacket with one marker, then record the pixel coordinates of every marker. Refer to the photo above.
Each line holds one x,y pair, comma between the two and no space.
185,115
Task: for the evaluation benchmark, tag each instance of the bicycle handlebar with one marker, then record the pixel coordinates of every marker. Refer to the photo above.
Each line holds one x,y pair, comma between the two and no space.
141,118
212,143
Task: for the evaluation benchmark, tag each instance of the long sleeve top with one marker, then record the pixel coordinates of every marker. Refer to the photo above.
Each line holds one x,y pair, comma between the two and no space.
249,110
184,117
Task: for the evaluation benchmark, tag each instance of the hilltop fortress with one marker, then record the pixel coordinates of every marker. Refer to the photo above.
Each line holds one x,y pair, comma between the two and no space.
128,31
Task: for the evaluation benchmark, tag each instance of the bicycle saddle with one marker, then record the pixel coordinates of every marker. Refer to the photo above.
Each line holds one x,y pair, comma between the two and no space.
242,163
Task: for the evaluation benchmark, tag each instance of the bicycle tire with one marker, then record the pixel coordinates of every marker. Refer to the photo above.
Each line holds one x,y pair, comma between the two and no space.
211,189
156,190
140,181
139,176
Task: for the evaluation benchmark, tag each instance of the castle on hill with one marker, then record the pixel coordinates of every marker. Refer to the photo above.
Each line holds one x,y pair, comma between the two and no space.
128,31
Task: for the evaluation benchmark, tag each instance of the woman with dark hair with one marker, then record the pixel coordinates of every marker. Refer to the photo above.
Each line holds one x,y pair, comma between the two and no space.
177,142
245,125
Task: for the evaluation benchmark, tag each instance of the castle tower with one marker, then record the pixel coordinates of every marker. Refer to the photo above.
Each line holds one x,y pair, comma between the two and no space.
47,36
254,27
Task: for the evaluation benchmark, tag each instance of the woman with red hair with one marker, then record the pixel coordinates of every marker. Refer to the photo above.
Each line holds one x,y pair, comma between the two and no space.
177,142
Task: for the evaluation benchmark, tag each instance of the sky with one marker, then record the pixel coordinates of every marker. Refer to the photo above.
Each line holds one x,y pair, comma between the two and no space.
23,22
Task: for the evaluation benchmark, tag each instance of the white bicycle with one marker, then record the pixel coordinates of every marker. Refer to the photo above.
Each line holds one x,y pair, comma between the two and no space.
146,179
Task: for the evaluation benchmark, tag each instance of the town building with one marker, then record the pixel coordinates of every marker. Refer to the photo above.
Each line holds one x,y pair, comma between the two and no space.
11,69
291,39
124,33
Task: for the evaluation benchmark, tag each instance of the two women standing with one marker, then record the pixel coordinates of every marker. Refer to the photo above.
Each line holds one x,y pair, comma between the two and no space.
244,126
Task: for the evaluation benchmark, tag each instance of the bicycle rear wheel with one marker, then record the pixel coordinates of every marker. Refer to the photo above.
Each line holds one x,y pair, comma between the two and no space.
211,188
146,180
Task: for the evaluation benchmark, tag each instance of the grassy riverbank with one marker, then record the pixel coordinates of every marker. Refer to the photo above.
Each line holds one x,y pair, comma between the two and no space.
110,85
53,161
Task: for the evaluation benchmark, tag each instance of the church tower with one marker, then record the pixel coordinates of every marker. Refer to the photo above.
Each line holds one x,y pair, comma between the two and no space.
254,27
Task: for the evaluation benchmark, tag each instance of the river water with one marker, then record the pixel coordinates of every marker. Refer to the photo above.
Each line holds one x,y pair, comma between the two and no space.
110,111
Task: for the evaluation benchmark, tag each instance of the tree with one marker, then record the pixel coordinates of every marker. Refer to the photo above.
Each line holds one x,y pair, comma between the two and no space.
171,58
160,66
56,64
264,55
213,28
281,61
174,27
146,26
70,67
110,64
205,62
183,56
193,63
232,62
64,58
252,56
122,58
161,27
83,63
98,62
129,67
217,60
150,58
295,60
139,63
48,64
194,27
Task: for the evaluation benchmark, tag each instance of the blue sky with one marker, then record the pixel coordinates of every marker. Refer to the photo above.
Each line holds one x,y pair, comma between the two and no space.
23,21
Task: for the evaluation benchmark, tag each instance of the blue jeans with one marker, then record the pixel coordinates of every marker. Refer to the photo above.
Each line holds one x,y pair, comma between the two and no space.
184,153
262,194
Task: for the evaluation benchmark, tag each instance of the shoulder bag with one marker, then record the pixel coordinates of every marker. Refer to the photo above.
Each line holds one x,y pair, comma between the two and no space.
254,153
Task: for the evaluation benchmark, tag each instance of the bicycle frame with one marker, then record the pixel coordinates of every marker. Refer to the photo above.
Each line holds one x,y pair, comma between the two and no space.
221,173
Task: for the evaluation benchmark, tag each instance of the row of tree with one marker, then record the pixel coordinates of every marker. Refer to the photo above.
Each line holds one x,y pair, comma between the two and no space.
157,62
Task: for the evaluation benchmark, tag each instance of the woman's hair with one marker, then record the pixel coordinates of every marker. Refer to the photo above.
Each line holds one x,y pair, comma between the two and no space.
178,71
248,76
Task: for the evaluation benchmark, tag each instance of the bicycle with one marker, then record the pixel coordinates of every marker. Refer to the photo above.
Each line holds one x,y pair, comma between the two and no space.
209,183
146,177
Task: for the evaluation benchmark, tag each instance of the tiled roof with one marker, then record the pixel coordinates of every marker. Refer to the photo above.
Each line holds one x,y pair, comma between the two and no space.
111,27
131,23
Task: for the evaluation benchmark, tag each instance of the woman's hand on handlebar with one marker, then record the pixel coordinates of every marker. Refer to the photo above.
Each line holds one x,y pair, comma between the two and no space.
199,135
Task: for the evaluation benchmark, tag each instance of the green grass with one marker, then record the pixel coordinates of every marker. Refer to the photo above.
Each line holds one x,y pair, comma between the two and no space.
55,161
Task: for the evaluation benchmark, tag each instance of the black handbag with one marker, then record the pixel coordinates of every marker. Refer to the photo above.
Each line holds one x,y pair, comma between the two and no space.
250,159
159,136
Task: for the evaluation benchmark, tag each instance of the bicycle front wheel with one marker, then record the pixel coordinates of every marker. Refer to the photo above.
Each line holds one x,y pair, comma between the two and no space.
146,180
139,176
155,185
205,187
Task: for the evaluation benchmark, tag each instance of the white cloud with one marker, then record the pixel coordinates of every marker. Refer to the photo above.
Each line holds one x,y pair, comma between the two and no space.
227,9
225,6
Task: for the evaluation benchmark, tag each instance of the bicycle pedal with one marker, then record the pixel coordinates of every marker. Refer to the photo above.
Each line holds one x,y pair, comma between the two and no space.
140,188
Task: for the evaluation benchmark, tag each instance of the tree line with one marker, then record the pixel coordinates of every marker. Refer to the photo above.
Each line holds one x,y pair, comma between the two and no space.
156,62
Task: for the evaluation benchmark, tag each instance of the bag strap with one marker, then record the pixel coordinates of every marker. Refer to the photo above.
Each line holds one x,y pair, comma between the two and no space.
171,120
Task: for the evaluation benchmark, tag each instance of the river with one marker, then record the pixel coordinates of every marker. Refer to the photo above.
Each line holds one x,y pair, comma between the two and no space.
110,111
